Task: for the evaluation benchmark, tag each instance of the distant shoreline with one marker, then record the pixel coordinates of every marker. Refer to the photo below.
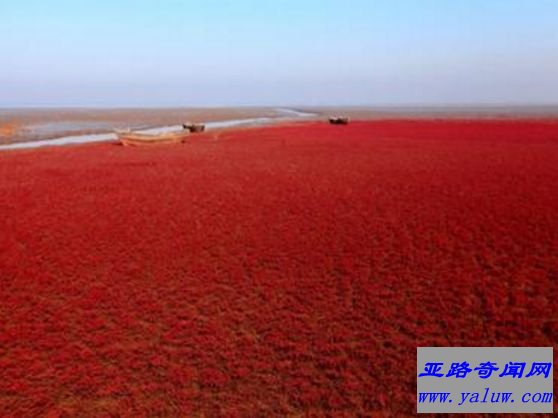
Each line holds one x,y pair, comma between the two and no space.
208,110
23,125
449,111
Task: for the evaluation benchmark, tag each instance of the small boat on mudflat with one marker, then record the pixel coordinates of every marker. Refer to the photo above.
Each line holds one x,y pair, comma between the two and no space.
131,138
339,120
194,127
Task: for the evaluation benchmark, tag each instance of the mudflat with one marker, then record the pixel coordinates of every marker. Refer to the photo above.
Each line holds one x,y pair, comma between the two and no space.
22,125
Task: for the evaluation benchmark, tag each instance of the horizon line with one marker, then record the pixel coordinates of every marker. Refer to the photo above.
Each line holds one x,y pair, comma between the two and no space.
426,106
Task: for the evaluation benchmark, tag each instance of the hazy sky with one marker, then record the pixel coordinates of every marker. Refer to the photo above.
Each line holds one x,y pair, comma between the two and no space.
280,52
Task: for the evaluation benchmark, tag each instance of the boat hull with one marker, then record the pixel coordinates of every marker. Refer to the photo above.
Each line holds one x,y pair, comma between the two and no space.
339,120
194,127
136,139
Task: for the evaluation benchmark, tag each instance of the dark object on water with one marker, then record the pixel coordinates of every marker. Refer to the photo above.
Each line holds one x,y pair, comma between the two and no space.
198,127
339,120
194,127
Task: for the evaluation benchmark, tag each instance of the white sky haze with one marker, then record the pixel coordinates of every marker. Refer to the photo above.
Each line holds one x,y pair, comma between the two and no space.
282,52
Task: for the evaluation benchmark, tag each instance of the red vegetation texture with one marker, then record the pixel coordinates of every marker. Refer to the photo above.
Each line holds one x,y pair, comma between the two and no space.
278,271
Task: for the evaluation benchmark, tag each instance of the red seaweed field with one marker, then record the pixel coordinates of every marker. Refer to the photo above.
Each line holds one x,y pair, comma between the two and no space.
276,271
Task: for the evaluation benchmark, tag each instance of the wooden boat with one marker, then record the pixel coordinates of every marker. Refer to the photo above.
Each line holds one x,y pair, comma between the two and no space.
130,138
339,120
194,127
